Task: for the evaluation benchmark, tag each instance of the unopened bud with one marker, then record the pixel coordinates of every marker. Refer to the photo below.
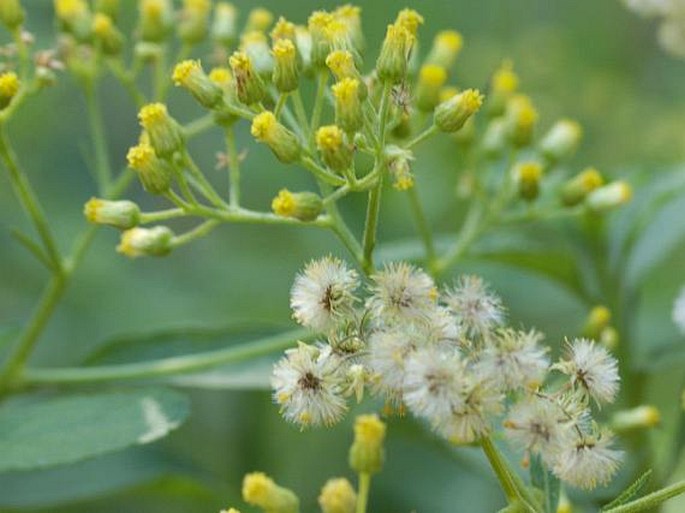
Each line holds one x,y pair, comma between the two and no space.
348,107
193,23
446,47
11,14
528,176
609,338
598,319
335,152
610,196
503,85
451,115
319,25
119,214
577,188
259,19
410,20
366,453
391,65
286,75
399,165
495,138
74,17
283,29
190,75
224,30
338,496
249,86
520,119
342,65
260,490
431,79
283,143
155,174
255,44
645,416
165,133
562,140
350,16
304,206
137,242
9,87
110,39
156,20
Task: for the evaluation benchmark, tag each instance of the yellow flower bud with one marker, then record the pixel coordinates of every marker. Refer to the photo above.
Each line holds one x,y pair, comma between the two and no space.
320,25
165,134
610,196
74,17
646,416
224,29
350,16
110,39
528,176
503,85
249,86
286,75
11,14
597,320
222,114
520,120
137,242
190,75
156,19
366,453
399,165
9,87
155,174
283,143
256,45
451,115
446,47
431,79
283,29
259,19
410,20
338,496
119,214
336,154
495,138
348,107
562,140
391,65
304,206
342,65
260,490
577,188
193,23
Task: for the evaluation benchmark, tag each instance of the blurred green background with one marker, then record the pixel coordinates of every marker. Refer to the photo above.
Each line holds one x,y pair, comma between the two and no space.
589,60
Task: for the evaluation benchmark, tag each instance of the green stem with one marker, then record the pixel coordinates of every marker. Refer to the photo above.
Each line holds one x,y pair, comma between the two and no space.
197,232
652,500
472,227
162,215
318,105
103,170
164,367
428,132
206,187
127,80
363,492
24,60
422,225
27,196
300,111
282,99
198,126
233,164
321,173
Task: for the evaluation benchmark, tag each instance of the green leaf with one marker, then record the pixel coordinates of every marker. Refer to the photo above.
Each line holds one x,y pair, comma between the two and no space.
632,491
547,482
48,432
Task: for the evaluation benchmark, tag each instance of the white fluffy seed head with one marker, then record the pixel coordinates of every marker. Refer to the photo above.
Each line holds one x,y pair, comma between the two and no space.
322,295
478,310
588,461
401,292
308,385
388,353
591,368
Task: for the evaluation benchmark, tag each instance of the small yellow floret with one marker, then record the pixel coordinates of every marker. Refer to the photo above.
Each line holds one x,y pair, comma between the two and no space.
263,125
284,49
260,19
346,90
152,8
9,84
257,488
410,20
319,20
340,62
433,75
102,24
337,496
348,12
529,171
505,80
591,179
600,315
450,40
335,30
369,430
67,9
283,29
284,205
183,70
448,92
152,113
197,6
404,183
240,61
140,156
92,208
473,99
526,114
220,76
329,137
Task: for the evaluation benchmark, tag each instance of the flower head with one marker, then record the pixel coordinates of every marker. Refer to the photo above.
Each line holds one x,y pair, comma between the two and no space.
323,294
479,311
402,292
337,496
593,369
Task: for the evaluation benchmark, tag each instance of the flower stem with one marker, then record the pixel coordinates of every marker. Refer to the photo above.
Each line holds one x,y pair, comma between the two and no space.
428,132
650,501
163,367
103,170
318,105
197,232
422,225
233,164
363,492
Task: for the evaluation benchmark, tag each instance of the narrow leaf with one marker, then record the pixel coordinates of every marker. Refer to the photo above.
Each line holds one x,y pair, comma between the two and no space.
547,482
632,491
